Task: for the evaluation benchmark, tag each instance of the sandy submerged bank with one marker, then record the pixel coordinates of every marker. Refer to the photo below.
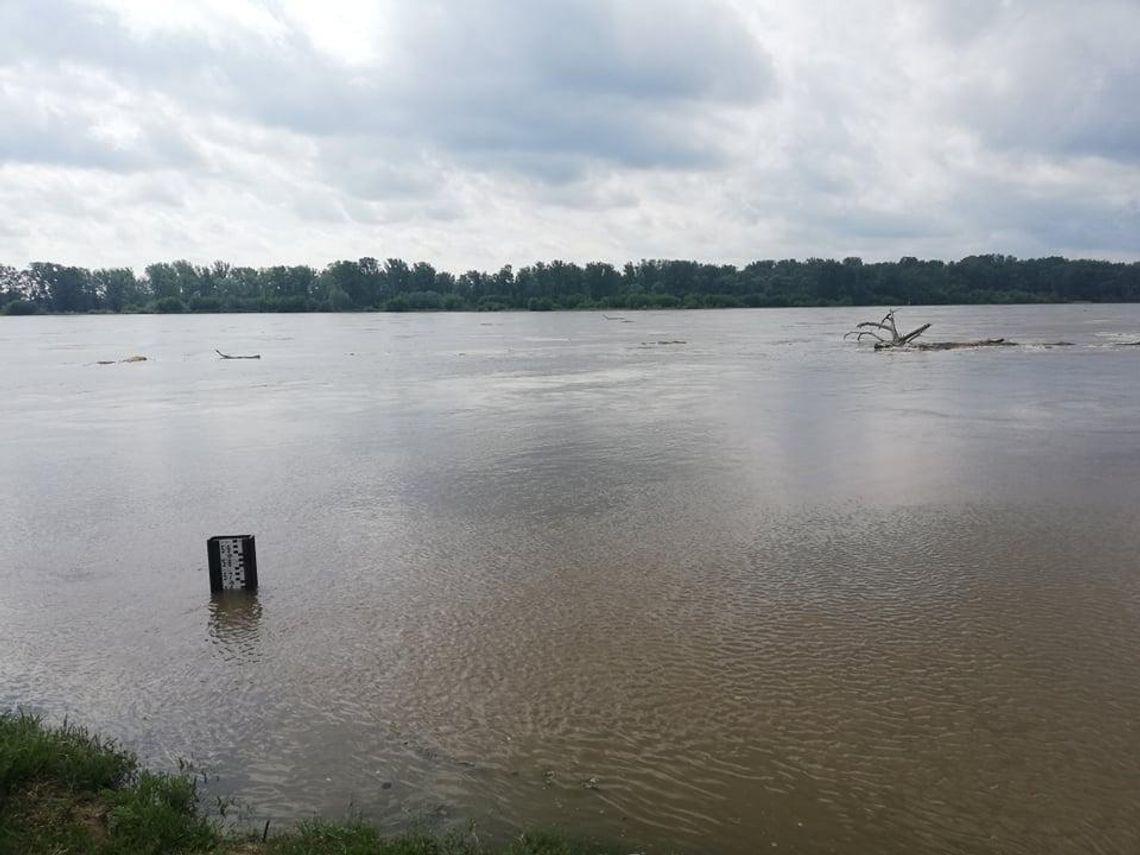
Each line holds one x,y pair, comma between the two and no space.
64,790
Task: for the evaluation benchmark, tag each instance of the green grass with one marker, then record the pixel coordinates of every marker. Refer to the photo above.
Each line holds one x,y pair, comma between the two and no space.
67,756
63,790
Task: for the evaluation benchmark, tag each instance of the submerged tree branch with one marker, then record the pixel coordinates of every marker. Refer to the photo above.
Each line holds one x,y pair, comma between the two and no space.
887,325
228,356
960,345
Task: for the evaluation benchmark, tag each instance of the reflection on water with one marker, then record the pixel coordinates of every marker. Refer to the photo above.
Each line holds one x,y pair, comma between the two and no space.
760,588
235,624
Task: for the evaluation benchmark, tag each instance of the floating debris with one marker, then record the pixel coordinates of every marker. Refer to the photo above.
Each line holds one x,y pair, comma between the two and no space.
135,358
959,345
228,356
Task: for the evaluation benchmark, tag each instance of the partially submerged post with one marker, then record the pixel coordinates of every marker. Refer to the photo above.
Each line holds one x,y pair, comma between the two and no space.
233,563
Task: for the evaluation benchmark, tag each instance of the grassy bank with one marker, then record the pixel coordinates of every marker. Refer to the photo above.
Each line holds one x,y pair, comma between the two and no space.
63,790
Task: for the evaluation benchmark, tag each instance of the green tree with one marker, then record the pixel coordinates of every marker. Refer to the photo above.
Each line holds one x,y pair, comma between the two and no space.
116,288
64,289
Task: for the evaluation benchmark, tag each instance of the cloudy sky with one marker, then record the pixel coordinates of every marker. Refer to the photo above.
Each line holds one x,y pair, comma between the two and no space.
473,133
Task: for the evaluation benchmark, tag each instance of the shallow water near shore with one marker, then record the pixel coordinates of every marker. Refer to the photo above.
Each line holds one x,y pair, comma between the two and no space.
704,581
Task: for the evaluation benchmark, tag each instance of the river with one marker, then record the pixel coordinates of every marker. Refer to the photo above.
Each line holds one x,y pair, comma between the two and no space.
710,581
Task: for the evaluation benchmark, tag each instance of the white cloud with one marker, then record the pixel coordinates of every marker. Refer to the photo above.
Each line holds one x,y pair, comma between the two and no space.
348,31
212,19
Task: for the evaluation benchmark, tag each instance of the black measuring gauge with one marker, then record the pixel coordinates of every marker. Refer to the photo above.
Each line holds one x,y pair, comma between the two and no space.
233,562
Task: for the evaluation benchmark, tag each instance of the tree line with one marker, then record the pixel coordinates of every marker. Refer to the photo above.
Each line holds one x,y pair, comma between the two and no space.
394,285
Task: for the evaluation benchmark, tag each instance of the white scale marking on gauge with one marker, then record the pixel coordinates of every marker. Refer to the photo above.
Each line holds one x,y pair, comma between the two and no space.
232,558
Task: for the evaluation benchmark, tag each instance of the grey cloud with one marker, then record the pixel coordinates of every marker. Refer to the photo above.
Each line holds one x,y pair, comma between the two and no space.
55,34
574,134
858,222
498,130
639,49
1057,84
319,211
1017,218
542,89
68,128
962,21
1077,111
372,171
491,83
627,83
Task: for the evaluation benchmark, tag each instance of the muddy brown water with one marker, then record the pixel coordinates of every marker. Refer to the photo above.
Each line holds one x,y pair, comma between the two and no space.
749,589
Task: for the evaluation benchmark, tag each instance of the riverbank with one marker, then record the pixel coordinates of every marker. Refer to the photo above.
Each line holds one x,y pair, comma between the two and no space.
64,790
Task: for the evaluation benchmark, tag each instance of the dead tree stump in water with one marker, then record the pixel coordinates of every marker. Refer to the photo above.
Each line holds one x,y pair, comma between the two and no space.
886,326
887,337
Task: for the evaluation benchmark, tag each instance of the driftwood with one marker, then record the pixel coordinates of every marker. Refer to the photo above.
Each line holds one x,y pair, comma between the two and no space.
886,336
118,361
959,345
228,356
886,326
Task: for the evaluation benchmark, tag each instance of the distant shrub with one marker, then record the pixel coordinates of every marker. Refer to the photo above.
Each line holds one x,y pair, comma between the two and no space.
21,307
424,300
292,303
241,304
339,301
169,306
723,301
199,303
572,301
453,303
